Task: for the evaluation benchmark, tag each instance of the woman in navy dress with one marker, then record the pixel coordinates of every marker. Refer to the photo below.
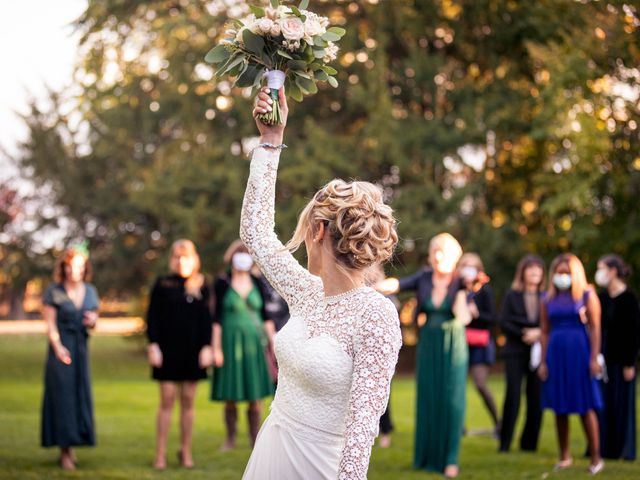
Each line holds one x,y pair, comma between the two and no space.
570,323
620,345
70,309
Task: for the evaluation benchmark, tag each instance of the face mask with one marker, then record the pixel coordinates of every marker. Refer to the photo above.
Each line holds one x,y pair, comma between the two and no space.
469,273
242,261
562,281
602,278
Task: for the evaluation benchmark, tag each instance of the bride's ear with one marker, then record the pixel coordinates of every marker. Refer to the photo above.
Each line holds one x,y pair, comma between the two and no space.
319,233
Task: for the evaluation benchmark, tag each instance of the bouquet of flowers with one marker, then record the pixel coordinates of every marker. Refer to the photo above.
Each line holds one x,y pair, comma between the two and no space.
287,45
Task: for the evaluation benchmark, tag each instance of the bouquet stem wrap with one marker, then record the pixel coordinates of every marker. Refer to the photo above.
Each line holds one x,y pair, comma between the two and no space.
275,81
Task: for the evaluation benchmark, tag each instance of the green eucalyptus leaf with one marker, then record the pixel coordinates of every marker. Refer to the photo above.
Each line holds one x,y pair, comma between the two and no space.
284,54
253,42
275,3
333,82
319,41
318,52
297,13
257,11
321,75
294,92
331,37
306,85
304,4
248,77
301,73
237,69
337,30
328,69
297,64
231,64
217,54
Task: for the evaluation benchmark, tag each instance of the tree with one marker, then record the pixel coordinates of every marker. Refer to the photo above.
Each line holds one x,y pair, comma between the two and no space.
484,118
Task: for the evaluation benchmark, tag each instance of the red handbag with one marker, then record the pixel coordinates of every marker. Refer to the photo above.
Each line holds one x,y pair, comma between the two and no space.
477,337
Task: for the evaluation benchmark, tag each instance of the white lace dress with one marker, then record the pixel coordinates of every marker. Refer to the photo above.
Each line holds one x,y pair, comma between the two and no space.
336,357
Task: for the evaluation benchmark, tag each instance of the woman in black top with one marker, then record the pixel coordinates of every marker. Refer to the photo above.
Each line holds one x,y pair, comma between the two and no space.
620,344
70,310
482,351
179,331
520,322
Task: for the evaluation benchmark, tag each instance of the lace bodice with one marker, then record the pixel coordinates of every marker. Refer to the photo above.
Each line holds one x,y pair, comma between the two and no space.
336,355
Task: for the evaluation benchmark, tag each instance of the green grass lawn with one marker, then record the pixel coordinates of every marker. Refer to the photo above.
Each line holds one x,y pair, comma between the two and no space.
125,403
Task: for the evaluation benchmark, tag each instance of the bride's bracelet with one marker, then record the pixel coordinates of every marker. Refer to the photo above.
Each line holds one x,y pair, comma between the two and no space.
270,146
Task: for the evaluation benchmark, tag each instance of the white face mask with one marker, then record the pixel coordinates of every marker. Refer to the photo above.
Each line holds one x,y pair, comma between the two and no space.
242,261
469,273
562,281
602,278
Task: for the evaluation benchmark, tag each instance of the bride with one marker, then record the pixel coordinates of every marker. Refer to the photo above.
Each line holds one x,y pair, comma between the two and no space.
338,352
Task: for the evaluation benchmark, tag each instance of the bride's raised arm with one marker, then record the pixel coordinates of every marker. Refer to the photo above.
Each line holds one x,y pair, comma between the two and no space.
288,277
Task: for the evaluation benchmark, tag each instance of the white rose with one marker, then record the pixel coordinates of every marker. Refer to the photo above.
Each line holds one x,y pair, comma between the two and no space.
275,30
313,28
292,28
264,26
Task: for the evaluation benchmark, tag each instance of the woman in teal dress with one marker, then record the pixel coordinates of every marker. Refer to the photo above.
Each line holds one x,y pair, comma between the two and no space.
441,356
70,308
241,332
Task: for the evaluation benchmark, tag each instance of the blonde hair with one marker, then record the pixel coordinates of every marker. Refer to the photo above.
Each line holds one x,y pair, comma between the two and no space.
446,243
579,282
358,222
193,283
472,259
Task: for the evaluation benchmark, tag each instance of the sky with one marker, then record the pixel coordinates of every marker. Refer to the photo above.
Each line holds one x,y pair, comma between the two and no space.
37,48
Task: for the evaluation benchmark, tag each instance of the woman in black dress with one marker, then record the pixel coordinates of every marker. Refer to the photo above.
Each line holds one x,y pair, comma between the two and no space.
179,331
482,351
520,322
70,307
620,345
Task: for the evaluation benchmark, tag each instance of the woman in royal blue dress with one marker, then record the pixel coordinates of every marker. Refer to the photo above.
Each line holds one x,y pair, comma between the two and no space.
570,324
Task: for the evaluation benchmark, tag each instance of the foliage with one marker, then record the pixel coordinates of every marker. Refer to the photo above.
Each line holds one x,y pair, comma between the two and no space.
485,118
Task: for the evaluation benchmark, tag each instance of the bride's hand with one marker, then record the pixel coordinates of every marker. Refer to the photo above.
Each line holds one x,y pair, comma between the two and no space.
270,133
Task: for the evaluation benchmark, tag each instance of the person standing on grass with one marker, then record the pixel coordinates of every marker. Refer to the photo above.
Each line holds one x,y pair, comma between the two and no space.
442,355
482,350
179,351
374,276
620,345
570,344
70,310
242,332
520,321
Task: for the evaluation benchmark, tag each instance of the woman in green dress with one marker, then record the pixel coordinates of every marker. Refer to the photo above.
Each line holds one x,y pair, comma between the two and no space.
441,357
70,307
241,332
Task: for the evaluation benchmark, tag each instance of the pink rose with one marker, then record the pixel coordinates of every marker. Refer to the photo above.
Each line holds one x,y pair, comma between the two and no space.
264,26
292,28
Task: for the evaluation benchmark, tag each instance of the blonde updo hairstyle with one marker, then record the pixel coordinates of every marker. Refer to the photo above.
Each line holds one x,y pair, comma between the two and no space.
361,226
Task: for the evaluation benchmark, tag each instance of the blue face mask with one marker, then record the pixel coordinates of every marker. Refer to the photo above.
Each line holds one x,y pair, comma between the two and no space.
562,281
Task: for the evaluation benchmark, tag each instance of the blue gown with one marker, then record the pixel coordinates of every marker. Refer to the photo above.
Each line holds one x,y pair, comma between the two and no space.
67,407
570,388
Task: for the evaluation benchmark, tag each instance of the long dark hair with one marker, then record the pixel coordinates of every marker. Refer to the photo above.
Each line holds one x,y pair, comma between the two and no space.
615,261
524,263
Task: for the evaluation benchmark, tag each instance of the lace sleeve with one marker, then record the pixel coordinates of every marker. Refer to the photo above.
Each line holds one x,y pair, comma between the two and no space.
293,282
376,348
